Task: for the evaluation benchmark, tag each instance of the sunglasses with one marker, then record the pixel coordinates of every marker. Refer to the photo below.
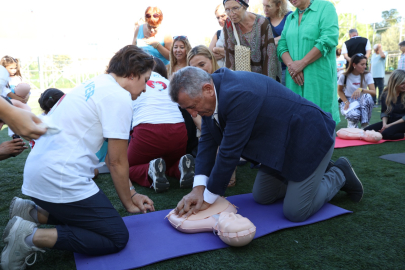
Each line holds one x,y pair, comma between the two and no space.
148,16
359,54
180,37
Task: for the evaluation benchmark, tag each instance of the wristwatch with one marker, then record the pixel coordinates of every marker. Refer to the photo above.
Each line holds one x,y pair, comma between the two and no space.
132,188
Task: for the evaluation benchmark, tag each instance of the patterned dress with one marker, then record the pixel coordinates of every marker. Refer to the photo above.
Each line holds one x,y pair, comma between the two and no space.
263,51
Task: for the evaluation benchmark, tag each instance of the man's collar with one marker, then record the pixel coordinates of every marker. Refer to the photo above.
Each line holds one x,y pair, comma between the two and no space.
216,103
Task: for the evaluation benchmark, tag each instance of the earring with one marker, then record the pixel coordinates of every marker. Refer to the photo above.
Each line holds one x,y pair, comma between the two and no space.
132,78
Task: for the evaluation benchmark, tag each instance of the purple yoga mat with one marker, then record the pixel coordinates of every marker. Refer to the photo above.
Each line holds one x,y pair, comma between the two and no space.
152,239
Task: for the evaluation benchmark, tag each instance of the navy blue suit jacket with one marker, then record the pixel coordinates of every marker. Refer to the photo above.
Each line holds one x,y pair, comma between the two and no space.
264,122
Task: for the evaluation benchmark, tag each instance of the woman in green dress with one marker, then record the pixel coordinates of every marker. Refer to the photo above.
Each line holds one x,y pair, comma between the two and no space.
307,46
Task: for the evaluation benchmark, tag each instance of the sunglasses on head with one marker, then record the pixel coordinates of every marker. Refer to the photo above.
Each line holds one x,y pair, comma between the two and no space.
359,54
148,16
180,37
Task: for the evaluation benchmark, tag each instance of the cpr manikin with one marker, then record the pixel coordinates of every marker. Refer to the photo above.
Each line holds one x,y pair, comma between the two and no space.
359,134
22,90
233,229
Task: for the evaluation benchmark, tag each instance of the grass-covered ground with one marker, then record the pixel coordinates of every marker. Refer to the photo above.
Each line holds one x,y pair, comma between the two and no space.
373,237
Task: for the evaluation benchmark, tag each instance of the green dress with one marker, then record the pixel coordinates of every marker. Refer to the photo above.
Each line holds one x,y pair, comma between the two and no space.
319,28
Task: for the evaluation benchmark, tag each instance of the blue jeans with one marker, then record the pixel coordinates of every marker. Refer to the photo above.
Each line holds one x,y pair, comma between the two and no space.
91,226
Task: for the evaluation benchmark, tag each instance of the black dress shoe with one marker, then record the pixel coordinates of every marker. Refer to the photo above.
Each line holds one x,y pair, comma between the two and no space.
353,185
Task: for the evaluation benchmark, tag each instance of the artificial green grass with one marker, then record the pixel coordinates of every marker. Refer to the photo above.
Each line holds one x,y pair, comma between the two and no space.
370,238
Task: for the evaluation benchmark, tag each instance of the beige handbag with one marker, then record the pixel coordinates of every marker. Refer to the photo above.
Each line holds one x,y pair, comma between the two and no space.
242,54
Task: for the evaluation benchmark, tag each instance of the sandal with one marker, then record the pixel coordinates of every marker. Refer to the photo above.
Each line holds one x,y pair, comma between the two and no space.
233,179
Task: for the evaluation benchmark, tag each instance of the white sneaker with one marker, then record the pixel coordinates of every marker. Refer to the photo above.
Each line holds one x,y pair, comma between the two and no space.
16,253
186,167
21,208
156,172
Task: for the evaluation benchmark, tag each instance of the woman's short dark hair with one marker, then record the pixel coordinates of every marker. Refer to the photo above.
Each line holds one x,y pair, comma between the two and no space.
49,98
130,61
402,43
160,67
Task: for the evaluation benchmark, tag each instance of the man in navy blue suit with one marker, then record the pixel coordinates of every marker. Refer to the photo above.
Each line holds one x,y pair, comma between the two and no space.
252,116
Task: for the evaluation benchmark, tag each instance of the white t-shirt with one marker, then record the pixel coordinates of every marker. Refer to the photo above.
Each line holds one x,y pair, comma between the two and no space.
60,167
340,62
344,47
13,82
220,43
155,106
353,83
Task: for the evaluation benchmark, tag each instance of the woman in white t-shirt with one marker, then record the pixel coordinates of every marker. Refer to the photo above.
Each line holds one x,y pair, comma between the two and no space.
357,101
59,170
159,137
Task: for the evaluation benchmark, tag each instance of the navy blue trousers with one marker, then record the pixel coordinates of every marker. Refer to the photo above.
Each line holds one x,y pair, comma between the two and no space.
91,226
379,86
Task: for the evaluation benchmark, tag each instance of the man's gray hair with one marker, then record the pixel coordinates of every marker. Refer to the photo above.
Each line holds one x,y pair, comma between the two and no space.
188,80
352,31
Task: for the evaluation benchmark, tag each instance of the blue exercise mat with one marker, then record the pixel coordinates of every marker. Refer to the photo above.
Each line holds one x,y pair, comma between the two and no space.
152,239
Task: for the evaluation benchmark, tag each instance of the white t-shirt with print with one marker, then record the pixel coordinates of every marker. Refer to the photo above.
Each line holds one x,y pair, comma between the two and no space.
60,168
155,106
353,83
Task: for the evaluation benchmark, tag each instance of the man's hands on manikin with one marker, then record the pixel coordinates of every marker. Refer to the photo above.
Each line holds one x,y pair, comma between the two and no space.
192,203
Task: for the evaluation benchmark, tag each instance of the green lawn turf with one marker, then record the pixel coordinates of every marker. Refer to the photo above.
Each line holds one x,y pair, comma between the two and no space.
370,238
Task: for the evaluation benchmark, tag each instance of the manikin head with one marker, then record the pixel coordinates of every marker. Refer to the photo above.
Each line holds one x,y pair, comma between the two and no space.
22,89
235,230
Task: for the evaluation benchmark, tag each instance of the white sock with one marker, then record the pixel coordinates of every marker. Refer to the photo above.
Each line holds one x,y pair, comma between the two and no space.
34,214
28,239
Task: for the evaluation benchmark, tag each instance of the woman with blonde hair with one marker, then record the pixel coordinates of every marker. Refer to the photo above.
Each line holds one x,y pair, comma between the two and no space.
178,54
392,126
218,41
277,12
201,57
150,38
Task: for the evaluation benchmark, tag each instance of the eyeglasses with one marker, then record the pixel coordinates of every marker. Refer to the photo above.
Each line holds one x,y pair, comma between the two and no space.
148,16
179,37
232,10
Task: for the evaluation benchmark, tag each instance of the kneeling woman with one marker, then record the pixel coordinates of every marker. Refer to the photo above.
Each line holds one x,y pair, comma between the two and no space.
392,126
352,88
58,172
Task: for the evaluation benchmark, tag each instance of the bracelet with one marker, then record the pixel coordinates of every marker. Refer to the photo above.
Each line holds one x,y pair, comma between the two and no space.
134,194
157,44
346,101
132,188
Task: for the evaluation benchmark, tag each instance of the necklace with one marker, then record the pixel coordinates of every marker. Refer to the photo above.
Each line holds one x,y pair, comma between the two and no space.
302,11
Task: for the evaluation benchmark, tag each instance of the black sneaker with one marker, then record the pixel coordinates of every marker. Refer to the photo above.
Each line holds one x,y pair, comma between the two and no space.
353,185
186,167
156,172
330,165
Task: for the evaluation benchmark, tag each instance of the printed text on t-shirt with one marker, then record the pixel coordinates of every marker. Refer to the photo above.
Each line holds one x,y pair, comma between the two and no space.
89,90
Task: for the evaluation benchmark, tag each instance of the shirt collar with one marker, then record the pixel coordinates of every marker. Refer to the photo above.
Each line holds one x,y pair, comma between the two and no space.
313,7
216,104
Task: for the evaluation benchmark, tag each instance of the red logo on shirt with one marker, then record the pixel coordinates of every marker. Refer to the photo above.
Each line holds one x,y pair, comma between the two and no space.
158,85
356,83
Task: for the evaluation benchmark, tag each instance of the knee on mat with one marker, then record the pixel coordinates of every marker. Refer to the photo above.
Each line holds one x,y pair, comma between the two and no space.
295,215
122,240
263,199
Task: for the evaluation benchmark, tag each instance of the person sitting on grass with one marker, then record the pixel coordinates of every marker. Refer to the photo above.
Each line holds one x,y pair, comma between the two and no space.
352,89
159,138
11,148
58,172
392,126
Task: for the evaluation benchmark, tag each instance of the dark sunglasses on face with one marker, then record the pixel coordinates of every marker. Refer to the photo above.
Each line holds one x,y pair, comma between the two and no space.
156,15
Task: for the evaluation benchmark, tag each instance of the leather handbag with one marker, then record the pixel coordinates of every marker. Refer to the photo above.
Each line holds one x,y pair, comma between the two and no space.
242,54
